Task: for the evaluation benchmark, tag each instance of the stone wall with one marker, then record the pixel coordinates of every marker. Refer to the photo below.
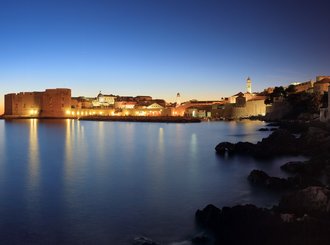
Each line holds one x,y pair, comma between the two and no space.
55,102
235,111
51,103
23,104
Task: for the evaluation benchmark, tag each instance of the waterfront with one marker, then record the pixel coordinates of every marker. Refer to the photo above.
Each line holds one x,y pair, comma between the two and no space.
81,182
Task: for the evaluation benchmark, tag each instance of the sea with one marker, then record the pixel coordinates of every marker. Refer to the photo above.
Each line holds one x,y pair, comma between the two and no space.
82,182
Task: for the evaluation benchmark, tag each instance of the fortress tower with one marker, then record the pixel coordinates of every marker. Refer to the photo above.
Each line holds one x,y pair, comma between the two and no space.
249,85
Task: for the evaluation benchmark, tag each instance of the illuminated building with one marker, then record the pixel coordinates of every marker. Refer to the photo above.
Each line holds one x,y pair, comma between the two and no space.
50,103
249,85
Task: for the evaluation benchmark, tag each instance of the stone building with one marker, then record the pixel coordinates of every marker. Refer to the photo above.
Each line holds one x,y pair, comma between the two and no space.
321,86
103,100
324,112
50,103
303,87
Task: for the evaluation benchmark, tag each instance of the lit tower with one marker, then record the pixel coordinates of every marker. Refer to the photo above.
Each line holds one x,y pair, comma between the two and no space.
178,98
249,85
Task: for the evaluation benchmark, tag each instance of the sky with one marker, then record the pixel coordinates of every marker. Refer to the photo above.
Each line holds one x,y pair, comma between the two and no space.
203,49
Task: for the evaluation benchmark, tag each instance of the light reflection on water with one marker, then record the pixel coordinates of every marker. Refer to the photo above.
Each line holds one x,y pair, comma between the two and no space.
74,182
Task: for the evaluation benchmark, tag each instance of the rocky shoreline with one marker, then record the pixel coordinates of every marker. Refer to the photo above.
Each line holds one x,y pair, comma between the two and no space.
302,215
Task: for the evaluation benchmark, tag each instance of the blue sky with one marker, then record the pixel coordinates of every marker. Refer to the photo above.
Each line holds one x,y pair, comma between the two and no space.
201,48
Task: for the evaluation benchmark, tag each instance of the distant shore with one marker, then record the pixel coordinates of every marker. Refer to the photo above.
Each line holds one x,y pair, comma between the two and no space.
141,119
117,119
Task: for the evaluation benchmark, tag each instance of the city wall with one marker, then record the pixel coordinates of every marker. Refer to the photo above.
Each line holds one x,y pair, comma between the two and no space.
232,111
50,103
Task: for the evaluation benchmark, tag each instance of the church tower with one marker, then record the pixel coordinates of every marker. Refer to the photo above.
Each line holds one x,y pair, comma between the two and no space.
178,99
249,85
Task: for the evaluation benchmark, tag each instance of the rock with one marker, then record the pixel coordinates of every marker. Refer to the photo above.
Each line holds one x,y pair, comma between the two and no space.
276,183
224,147
313,200
263,129
287,218
302,181
259,177
245,148
209,216
200,239
280,142
144,241
242,224
293,167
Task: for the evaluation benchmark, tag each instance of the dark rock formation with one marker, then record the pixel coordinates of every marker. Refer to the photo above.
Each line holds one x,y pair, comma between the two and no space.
280,142
251,225
313,200
144,241
200,239
263,129
238,225
293,167
302,216
225,147
301,181
313,167
260,178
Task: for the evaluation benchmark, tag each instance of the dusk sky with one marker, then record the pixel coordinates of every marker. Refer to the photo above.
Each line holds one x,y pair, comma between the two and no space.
201,48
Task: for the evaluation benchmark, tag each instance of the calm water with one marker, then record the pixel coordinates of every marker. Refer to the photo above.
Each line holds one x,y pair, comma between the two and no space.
71,182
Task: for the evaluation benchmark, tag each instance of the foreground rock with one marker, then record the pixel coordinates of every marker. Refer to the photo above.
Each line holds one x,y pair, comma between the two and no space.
313,200
309,142
294,167
248,224
302,216
260,178
299,181
280,142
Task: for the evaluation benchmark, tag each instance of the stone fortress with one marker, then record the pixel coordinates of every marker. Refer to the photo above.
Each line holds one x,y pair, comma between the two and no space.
58,103
50,103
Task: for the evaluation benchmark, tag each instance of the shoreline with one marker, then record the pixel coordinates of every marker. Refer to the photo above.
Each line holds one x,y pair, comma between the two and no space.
141,119
115,119
302,214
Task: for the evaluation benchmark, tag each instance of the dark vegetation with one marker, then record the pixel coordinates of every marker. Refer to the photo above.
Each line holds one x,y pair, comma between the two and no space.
299,103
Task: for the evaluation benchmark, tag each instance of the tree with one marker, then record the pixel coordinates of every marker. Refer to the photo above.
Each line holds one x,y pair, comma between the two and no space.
291,89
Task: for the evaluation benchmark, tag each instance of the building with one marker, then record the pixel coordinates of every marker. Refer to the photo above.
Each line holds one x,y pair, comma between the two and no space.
321,86
319,78
50,103
303,87
104,100
249,85
325,112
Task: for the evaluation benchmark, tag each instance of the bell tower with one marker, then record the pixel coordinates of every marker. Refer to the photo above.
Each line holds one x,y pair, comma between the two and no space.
249,85
178,99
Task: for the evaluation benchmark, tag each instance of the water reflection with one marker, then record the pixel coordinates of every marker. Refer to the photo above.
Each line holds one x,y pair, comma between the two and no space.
34,161
193,144
69,135
101,139
161,141
2,147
